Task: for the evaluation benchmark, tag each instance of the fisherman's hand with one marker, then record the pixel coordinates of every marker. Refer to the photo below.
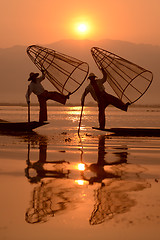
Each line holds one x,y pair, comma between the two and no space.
102,69
82,102
43,71
67,96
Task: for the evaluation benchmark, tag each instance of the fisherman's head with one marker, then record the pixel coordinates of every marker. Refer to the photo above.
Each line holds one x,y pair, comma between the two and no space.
92,76
33,76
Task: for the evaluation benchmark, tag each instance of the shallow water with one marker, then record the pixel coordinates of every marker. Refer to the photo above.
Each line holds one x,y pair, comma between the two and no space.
57,186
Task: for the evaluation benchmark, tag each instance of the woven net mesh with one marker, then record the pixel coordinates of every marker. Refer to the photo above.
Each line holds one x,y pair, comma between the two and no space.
65,72
128,80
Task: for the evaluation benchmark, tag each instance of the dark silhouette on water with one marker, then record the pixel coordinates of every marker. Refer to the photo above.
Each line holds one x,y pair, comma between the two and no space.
43,95
55,192
40,171
98,168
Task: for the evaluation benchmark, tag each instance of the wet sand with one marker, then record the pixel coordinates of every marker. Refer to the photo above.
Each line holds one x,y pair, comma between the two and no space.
55,187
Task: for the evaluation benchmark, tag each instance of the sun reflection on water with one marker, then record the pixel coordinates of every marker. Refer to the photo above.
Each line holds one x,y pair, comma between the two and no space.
81,182
81,166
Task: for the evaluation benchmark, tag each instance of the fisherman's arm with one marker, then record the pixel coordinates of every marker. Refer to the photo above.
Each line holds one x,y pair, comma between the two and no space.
42,77
104,79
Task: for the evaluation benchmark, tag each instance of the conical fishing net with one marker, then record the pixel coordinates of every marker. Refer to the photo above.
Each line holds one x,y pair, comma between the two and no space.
65,72
128,80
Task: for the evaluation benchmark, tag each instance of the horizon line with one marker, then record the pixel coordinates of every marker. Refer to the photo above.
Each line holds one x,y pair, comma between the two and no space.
80,40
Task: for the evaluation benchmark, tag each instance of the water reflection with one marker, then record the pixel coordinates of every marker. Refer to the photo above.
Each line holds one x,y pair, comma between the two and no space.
36,171
112,197
56,191
98,168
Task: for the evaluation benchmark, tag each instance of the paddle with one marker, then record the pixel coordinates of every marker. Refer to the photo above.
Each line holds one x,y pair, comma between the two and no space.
28,109
80,119
28,112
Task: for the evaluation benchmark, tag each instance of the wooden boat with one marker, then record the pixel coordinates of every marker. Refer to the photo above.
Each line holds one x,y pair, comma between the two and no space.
132,131
20,126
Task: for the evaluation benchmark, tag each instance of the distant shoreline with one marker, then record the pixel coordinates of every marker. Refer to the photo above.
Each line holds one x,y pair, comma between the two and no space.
90,104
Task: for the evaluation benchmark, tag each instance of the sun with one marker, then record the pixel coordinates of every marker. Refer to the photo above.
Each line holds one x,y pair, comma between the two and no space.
82,29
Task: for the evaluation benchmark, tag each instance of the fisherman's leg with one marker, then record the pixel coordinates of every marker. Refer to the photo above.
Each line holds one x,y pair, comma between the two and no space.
116,102
58,97
101,117
43,109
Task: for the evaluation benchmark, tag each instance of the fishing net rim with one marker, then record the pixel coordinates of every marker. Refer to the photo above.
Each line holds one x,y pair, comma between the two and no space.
115,55
150,81
71,75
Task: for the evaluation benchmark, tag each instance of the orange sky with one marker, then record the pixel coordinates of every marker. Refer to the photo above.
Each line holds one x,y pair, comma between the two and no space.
26,22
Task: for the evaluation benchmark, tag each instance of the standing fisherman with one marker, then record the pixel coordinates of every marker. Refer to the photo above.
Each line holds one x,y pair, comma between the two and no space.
43,95
97,91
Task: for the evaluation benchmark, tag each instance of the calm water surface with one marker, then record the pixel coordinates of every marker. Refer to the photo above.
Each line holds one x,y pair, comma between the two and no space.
57,186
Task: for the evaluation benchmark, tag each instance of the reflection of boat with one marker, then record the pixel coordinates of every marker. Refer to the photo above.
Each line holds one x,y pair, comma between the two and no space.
20,126
132,131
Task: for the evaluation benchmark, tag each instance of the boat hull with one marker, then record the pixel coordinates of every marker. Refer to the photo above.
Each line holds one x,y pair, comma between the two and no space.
132,131
20,126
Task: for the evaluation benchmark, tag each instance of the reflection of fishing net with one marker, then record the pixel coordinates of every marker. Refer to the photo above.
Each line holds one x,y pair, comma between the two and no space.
113,200
128,80
65,72
51,198
41,205
108,205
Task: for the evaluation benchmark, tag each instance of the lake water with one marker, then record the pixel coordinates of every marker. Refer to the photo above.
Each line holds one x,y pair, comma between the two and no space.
55,185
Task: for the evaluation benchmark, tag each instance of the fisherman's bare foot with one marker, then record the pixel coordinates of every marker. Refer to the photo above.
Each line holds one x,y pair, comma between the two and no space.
44,121
126,106
67,96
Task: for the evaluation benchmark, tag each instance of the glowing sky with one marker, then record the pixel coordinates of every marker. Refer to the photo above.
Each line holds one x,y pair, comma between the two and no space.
41,22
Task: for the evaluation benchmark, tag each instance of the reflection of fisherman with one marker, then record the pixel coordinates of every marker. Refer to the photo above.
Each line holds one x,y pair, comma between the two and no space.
46,200
98,167
43,95
40,171
97,90
113,198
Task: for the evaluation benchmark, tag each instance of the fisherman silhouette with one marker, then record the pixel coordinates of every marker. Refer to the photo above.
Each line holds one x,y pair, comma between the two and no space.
97,91
43,95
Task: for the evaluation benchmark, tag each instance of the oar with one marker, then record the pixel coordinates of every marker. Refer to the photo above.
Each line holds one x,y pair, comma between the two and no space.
28,108
81,149
28,112
80,119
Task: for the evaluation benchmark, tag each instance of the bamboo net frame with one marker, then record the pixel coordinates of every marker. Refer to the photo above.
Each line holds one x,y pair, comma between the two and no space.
66,73
128,80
